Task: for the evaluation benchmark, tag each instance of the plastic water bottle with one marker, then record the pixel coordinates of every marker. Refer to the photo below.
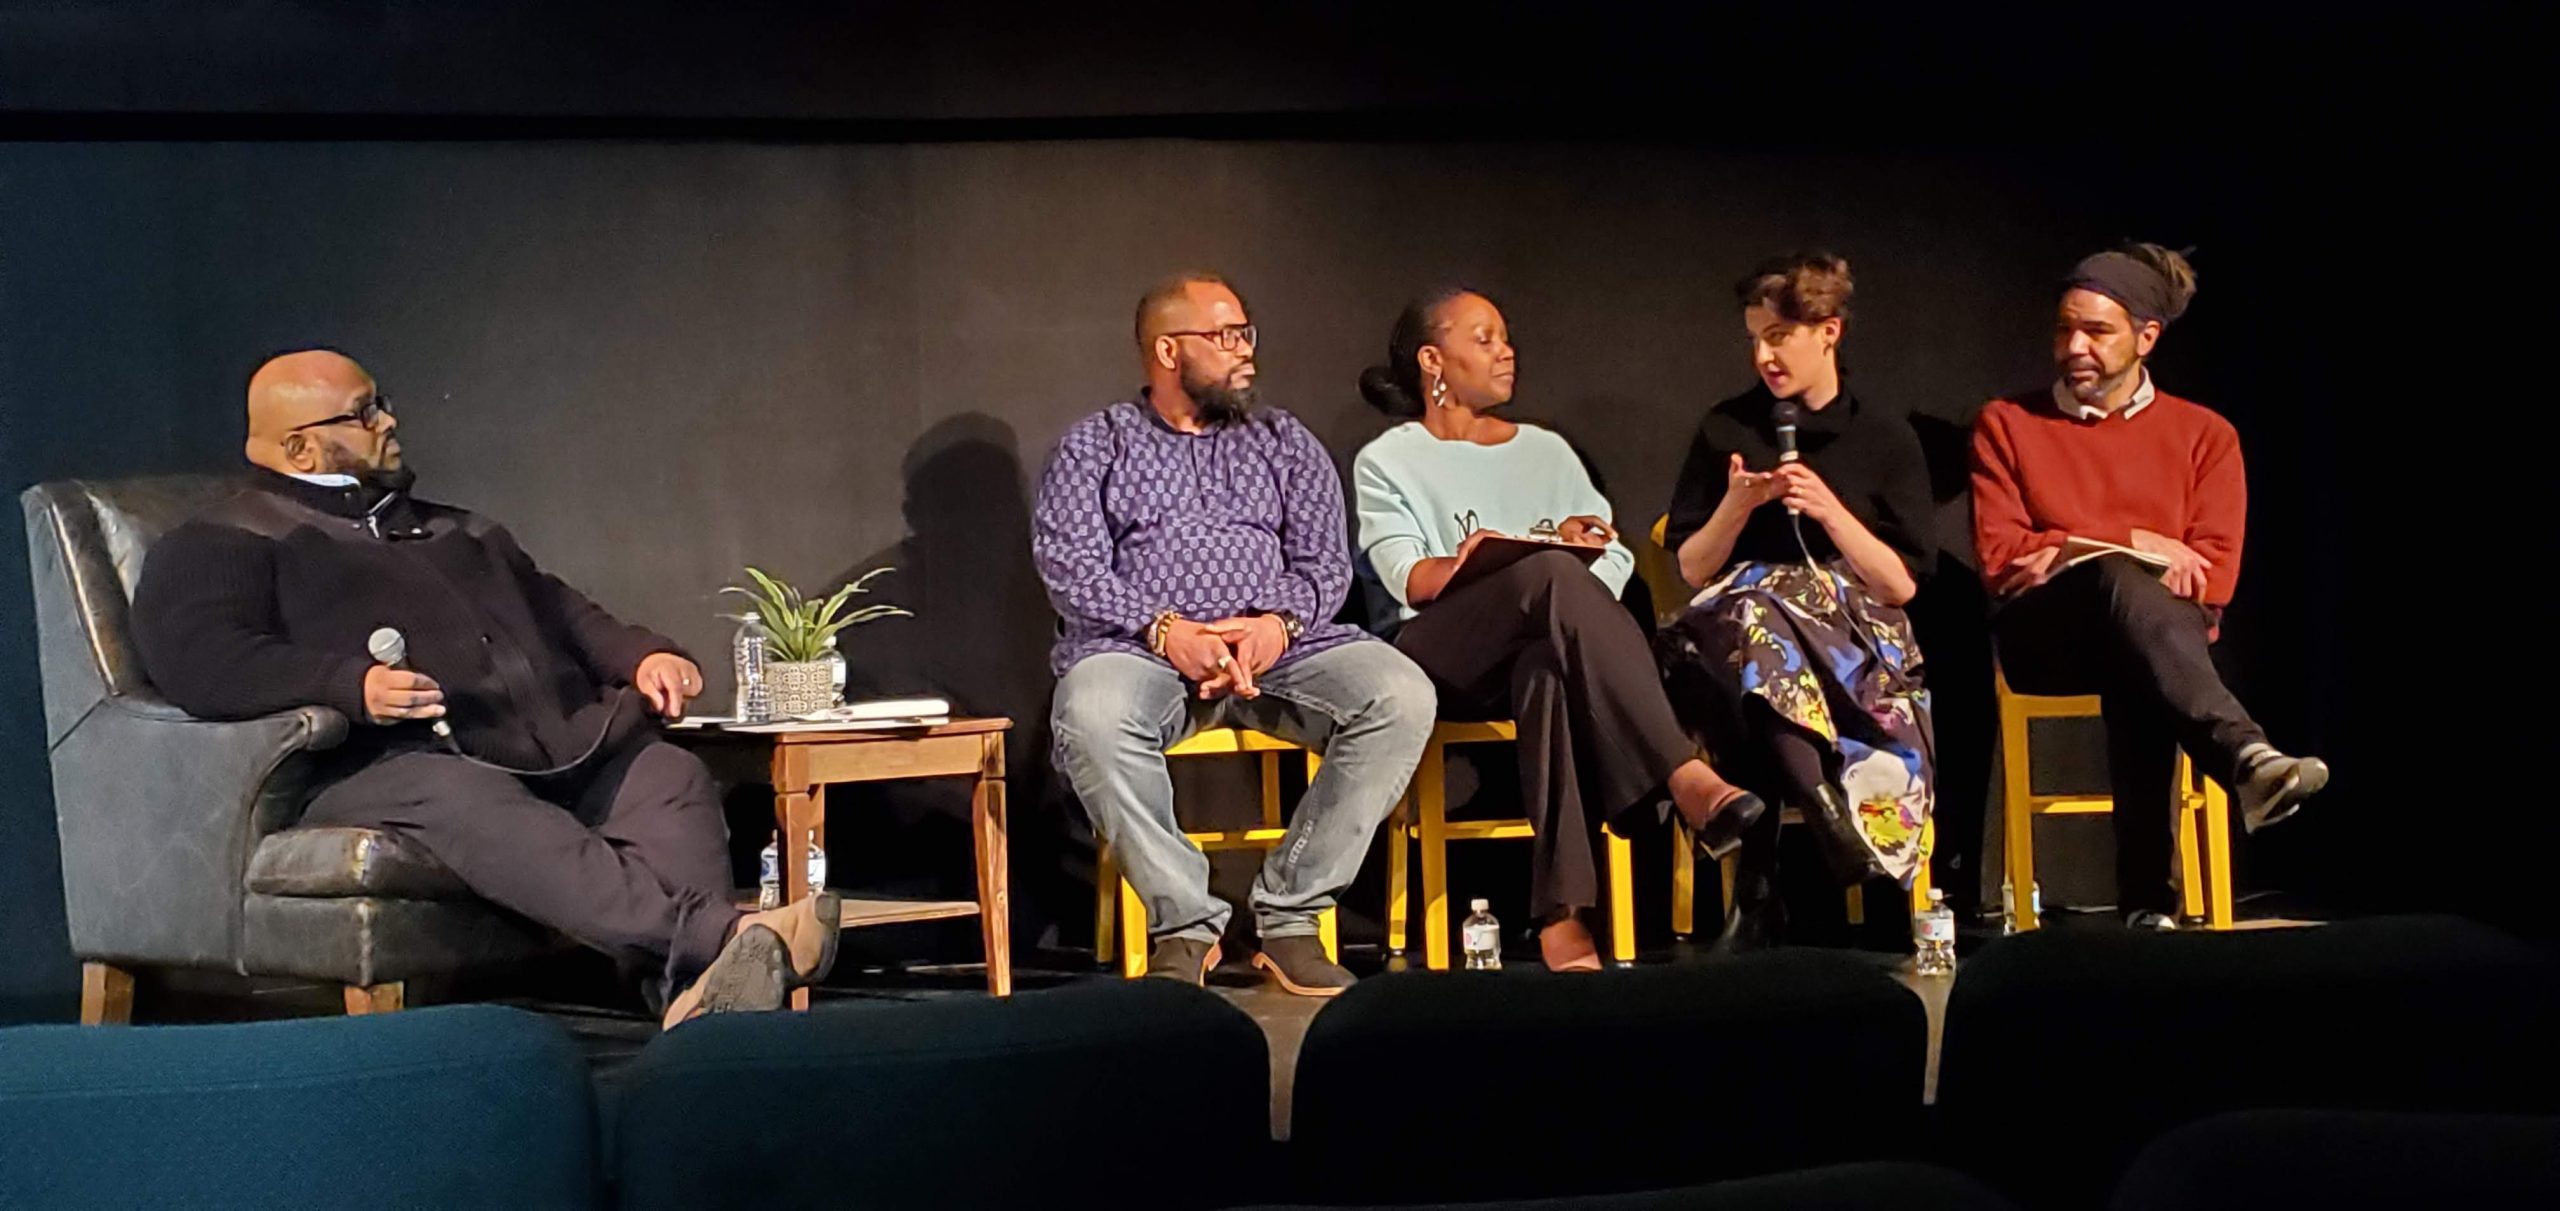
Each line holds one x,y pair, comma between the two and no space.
769,875
746,653
1933,933
1481,937
817,865
2009,905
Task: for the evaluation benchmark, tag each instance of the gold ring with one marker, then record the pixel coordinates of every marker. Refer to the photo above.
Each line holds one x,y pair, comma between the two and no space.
1224,661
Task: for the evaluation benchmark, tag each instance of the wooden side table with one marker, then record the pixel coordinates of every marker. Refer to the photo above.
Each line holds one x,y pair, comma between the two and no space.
804,763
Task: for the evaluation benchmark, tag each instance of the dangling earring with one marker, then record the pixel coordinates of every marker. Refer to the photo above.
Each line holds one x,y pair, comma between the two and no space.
1439,392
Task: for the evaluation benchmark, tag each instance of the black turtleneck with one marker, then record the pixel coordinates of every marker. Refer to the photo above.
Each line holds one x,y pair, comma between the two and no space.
1866,453
265,602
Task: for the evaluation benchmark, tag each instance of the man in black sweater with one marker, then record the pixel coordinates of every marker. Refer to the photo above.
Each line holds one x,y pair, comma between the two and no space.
514,743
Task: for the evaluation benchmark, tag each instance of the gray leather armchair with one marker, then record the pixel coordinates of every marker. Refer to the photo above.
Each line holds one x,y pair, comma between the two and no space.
178,840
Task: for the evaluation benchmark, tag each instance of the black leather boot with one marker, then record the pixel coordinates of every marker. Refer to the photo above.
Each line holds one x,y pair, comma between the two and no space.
1835,831
1757,920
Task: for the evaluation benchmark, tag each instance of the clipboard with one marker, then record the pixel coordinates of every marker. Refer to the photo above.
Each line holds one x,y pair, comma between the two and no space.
1496,552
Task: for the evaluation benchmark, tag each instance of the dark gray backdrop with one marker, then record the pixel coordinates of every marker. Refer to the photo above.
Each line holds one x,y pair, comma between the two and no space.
659,361
671,288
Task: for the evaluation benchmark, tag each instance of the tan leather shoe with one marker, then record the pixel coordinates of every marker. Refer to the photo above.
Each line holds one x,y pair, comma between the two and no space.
751,975
808,928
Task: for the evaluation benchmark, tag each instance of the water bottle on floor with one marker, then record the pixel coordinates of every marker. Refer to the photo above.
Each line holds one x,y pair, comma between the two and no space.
817,865
1481,937
769,874
2009,905
1933,933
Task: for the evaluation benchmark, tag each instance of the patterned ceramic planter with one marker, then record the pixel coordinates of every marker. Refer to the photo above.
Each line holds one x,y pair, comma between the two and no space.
801,687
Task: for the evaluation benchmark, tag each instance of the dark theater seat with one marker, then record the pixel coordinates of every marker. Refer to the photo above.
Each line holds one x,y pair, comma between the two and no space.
2065,1053
462,1106
1139,1094
2257,1159
1875,1186
1652,1078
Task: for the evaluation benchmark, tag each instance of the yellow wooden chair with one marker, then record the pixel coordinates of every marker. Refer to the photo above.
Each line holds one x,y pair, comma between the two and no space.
1431,825
1117,912
2209,899
1656,563
1684,877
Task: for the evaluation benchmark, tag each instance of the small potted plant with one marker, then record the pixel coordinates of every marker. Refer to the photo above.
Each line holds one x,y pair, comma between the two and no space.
800,637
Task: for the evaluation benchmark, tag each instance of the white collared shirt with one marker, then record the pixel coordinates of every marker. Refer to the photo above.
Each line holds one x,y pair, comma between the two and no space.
2071,406
326,480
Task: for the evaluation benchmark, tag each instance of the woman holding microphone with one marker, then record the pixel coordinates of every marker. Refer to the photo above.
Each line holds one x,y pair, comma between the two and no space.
1802,517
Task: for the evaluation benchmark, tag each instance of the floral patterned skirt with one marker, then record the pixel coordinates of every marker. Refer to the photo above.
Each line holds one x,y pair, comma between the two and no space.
1840,665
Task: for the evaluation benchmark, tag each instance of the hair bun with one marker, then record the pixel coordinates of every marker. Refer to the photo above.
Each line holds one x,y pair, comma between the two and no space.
1378,385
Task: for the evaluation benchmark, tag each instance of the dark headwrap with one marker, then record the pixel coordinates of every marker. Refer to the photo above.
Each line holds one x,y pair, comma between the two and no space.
2128,280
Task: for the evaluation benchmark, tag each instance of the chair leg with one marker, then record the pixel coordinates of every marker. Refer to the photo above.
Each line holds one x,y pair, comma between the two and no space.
106,995
2017,817
1329,931
1684,882
1431,786
1727,868
1399,836
2188,806
2217,849
1106,906
1622,900
365,999
1271,790
1920,877
1133,932
1857,897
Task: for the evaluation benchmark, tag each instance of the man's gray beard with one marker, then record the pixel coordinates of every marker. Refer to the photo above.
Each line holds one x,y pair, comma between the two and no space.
2100,388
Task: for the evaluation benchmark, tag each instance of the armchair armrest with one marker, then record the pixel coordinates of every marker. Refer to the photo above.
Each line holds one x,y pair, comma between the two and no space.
158,813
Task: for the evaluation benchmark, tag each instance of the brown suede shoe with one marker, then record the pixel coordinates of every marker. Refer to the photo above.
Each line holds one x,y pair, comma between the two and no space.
1299,966
808,928
1186,959
751,975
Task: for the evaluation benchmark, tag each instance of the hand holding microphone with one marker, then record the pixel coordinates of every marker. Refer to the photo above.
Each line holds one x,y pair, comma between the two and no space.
1784,417
392,693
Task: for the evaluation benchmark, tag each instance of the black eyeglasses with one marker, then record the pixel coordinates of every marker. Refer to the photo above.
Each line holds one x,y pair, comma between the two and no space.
365,414
1229,339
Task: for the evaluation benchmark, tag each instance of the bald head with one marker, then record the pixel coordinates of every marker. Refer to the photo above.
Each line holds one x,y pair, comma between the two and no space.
313,412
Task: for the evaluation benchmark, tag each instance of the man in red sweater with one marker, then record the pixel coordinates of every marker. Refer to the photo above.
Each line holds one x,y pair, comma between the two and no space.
2104,457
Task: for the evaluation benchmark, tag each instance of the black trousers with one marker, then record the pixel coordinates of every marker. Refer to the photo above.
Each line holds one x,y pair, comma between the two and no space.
2109,627
628,855
1544,642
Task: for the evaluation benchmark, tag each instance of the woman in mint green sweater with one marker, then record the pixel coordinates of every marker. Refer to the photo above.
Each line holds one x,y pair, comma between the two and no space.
1543,640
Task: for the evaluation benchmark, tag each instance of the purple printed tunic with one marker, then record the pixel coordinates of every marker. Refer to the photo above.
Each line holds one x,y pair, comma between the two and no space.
1135,517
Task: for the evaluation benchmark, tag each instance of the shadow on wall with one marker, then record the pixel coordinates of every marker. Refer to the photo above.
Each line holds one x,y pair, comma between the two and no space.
979,637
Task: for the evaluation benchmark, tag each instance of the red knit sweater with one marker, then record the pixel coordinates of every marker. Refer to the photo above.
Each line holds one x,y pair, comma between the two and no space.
2173,468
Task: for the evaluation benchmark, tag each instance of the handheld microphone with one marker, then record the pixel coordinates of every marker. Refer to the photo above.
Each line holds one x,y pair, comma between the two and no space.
388,646
1785,415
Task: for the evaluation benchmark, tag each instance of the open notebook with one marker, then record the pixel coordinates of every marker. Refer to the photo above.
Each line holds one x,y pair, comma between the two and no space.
1497,552
2077,550
886,715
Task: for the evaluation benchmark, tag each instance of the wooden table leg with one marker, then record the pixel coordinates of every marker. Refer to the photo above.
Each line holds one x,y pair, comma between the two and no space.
995,903
799,812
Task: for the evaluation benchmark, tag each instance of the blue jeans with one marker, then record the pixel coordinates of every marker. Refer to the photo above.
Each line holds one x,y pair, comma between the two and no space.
1365,707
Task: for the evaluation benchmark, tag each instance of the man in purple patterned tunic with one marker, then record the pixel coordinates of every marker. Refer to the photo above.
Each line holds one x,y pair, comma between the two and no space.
1194,546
